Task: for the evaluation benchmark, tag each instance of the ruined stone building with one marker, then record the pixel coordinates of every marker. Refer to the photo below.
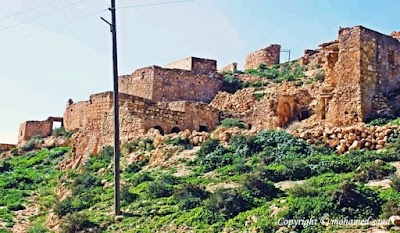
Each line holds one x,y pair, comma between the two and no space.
362,82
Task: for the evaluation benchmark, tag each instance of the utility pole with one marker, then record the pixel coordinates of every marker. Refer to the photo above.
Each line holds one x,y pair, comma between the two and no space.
113,27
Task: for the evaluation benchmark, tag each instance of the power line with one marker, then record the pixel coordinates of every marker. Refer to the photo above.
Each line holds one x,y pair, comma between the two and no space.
42,15
155,4
30,9
59,25
92,14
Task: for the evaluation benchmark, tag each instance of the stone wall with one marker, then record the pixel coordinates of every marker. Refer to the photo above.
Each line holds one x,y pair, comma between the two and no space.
160,84
231,68
139,83
267,56
95,126
29,129
194,64
380,70
176,85
345,106
6,147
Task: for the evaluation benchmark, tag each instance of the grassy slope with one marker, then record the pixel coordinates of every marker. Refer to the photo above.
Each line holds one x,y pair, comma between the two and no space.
156,200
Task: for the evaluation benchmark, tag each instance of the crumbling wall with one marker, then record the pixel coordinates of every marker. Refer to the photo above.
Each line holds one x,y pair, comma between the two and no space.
395,35
95,129
29,129
176,85
231,68
6,147
267,56
380,72
139,83
194,64
345,107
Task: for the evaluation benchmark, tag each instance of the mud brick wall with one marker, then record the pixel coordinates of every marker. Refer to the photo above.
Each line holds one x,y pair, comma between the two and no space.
139,83
194,64
231,68
6,147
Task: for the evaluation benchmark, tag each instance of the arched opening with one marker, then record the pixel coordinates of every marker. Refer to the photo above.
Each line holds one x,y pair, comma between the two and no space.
303,114
175,130
203,128
159,129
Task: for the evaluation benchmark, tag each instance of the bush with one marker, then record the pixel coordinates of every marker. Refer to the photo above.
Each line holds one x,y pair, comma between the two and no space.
319,76
31,144
135,167
378,122
390,208
126,196
299,190
63,207
395,183
207,147
372,171
231,84
37,228
228,202
157,189
219,158
190,196
59,132
77,222
140,178
257,187
356,201
102,160
232,122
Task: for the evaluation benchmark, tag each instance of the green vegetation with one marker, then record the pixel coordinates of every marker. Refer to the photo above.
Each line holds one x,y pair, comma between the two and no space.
61,132
278,73
232,122
227,186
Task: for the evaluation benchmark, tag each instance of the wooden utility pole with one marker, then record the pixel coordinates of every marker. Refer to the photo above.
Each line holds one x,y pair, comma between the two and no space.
113,27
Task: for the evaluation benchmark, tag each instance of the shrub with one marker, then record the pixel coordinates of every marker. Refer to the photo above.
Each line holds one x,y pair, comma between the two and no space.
63,207
77,222
232,122
31,144
218,158
102,160
126,196
378,122
135,167
390,208
356,201
37,228
157,189
231,84
300,190
319,76
260,188
207,147
140,178
372,171
59,132
228,202
395,183
190,196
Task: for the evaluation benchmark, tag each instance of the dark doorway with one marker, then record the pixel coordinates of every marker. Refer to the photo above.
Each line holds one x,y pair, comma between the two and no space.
203,128
304,114
175,130
159,129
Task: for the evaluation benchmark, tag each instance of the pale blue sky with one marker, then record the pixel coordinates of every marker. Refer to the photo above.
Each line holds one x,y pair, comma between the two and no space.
40,73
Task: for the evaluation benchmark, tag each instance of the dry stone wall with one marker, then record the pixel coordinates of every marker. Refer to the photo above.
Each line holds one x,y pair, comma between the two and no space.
267,56
6,147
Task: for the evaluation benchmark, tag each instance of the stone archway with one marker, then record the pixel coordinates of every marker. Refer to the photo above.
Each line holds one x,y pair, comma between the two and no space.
175,130
159,128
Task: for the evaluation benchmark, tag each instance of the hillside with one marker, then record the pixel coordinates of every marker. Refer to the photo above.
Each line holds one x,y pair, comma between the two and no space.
246,182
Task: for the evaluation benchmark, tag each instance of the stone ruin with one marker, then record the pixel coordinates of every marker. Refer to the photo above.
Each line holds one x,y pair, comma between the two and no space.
362,81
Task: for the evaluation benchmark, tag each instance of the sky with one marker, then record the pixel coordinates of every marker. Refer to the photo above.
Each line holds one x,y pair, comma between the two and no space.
41,68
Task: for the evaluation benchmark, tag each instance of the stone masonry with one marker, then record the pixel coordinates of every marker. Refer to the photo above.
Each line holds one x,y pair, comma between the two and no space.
268,56
162,84
44,128
93,119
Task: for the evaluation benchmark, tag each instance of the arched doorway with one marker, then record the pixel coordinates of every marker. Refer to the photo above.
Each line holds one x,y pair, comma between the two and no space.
159,129
175,130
